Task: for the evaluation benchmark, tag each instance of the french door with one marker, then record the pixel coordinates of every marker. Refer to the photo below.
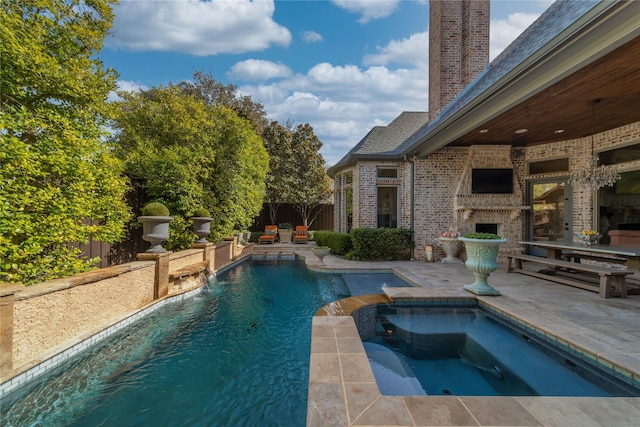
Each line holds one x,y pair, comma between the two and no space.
550,217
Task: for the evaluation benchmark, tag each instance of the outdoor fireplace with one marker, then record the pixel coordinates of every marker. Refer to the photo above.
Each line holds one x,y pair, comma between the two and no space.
486,228
488,197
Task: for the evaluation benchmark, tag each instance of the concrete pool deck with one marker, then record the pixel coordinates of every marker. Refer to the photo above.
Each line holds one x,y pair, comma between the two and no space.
343,391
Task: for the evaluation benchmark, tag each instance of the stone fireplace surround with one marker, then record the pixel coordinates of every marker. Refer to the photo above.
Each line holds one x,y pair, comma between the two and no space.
504,210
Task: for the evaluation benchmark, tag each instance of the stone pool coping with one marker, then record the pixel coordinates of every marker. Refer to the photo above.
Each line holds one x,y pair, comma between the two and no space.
343,390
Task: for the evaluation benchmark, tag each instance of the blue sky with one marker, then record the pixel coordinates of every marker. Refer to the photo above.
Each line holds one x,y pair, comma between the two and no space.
343,66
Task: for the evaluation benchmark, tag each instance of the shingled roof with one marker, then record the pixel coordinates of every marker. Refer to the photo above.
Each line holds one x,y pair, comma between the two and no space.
384,141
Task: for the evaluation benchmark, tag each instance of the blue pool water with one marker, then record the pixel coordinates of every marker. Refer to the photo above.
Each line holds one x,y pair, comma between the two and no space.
236,354
467,352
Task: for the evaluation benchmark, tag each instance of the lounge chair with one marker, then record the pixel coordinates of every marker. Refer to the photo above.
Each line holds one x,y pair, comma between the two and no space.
270,234
302,235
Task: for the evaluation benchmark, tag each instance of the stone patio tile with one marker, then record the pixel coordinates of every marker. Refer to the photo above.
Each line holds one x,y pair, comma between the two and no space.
356,368
326,406
582,411
439,411
350,345
324,368
385,411
325,331
499,411
359,397
324,345
347,332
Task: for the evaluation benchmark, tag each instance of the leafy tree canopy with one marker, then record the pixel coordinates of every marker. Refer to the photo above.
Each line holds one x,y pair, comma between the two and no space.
206,88
56,173
296,170
280,179
191,154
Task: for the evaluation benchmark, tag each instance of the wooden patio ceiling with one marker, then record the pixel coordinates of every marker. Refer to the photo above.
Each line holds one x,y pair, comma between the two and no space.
614,80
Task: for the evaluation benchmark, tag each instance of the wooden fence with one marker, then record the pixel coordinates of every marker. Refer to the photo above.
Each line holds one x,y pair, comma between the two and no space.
127,250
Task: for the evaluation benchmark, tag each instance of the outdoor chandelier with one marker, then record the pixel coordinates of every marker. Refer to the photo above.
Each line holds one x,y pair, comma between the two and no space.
594,176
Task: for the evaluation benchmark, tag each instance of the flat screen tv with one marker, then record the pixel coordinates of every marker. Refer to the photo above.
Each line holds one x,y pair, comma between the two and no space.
492,181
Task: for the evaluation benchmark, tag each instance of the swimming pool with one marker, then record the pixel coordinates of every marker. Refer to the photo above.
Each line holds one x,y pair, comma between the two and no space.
422,350
235,354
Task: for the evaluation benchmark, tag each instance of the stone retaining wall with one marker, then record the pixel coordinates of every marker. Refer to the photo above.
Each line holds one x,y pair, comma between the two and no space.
42,320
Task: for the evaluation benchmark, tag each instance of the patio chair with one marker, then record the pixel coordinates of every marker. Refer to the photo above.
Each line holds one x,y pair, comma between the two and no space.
270,234
302,235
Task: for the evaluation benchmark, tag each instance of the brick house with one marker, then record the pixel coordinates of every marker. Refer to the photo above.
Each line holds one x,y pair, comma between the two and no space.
500,140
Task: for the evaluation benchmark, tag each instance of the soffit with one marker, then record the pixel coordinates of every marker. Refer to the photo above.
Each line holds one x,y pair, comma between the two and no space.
613,79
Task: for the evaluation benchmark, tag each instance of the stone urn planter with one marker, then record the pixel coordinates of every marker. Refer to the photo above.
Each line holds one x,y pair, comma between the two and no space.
201,227
155,221
451,247
482,254
320,252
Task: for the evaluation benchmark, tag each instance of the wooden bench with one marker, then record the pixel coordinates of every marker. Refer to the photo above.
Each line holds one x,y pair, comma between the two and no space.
608,277
574,256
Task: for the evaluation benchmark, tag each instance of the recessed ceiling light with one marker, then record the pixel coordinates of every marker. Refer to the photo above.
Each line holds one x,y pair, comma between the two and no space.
522,130
558,131
484,130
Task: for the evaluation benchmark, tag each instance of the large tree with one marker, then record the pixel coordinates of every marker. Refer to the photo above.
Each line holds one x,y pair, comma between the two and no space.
190,154
296,171
280,179
311,184
59,183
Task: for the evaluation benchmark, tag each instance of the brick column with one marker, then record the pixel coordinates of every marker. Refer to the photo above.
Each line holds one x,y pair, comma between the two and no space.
7,298
161,282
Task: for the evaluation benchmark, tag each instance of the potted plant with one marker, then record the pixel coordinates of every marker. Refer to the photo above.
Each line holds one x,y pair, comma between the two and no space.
285,231
589,237
155,221
449,242
201,224
482,254
320,252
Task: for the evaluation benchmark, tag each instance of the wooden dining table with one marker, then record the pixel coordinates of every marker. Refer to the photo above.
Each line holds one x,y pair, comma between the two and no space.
629,256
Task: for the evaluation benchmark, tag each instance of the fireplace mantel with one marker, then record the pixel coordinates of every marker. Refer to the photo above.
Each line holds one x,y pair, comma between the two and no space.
468,211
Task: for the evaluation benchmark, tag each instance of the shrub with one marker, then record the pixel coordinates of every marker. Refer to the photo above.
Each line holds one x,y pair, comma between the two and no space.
381,244
486,236
181,234
155,209
285,226
339,243
201,213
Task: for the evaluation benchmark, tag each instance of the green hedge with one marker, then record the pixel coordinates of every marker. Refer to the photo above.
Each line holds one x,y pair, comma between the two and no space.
340,243
381,244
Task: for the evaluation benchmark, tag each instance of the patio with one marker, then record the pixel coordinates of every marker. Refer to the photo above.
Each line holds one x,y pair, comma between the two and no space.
608,328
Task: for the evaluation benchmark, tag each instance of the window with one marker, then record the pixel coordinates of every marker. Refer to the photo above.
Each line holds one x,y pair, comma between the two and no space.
619,206
549,166
387,173
387,207
620,155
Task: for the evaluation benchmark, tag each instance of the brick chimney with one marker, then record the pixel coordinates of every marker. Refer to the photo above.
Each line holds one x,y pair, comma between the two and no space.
458,48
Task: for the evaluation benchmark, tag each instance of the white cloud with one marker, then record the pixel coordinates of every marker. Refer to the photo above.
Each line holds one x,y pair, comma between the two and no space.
311,37
258,70
197,28
503,32
342,103
413,50
368,9
126,86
